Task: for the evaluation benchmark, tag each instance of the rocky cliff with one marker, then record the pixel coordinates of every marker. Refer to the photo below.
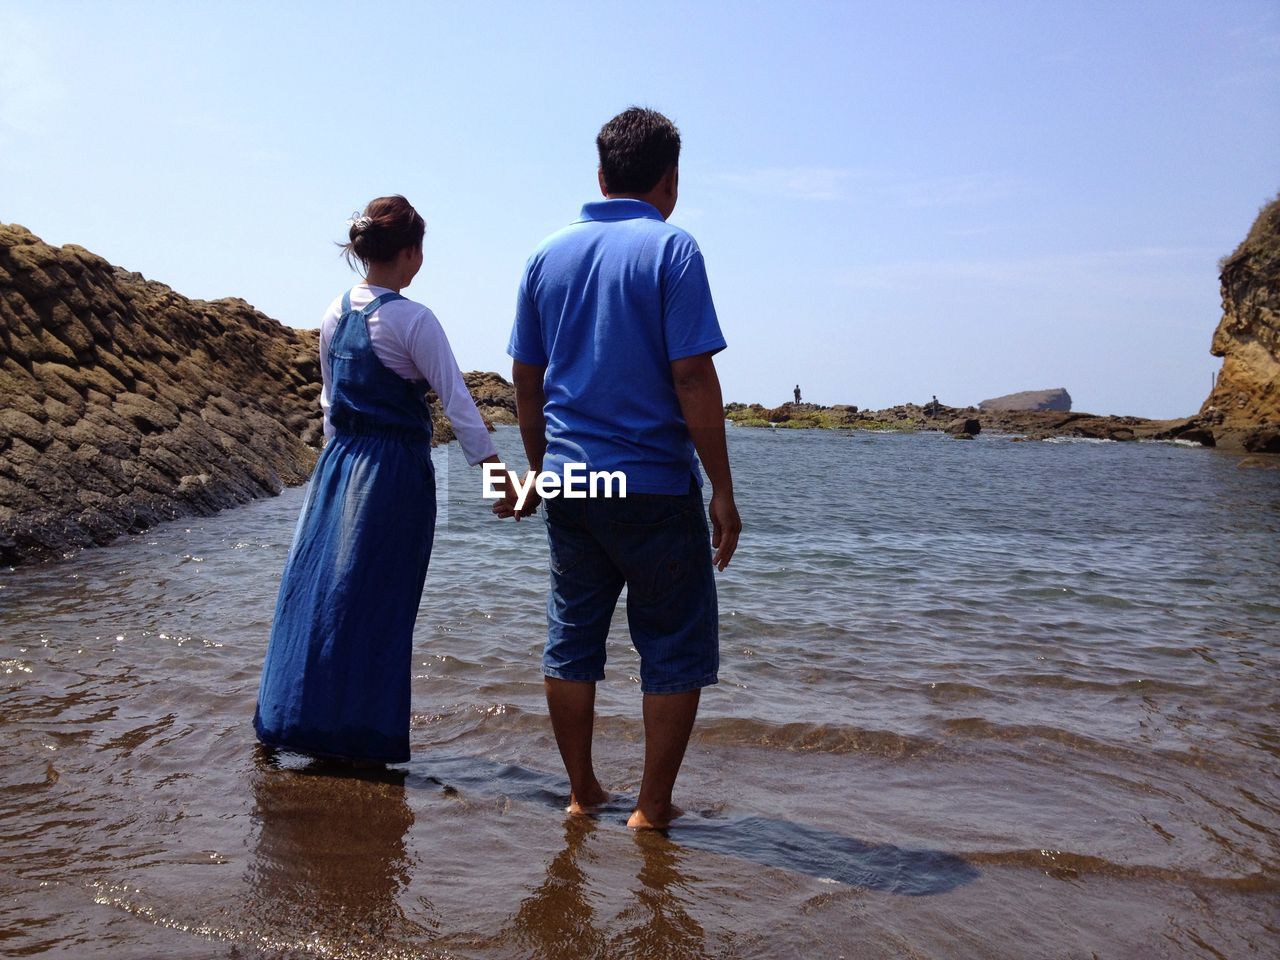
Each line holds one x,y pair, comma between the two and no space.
123,403
1243,410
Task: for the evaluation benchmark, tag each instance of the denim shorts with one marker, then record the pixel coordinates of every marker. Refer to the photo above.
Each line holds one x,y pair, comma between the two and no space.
659,547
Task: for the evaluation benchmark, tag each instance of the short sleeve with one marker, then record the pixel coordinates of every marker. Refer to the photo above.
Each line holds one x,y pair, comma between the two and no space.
689,319
526,344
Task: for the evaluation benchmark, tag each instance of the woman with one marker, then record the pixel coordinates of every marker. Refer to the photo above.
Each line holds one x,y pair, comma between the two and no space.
336,678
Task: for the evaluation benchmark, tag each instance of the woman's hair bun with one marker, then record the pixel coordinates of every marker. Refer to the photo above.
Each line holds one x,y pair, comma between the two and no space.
387,226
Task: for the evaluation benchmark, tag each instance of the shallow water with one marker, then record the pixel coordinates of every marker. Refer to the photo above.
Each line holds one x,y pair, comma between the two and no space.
977,699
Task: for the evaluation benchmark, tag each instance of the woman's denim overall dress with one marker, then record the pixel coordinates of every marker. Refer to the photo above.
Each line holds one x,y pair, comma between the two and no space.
336,678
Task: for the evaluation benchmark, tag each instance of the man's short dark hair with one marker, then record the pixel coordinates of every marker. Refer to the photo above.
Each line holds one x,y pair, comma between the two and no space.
636,148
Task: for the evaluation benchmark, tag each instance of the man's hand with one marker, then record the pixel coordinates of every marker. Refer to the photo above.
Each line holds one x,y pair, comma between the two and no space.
531,502
698,391
725,527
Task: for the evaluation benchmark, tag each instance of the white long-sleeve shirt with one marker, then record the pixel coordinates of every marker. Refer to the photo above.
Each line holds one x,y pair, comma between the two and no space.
410,342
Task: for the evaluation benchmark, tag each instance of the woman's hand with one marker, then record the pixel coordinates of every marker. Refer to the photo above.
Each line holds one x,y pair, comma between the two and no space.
507,506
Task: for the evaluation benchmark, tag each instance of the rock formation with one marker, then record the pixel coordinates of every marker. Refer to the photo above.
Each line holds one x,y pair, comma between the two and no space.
965,428
1056,399
123,403
494,396
1243,410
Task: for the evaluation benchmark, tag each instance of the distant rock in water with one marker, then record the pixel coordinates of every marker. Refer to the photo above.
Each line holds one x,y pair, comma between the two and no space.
123,403
1243,410
495,397
1057,399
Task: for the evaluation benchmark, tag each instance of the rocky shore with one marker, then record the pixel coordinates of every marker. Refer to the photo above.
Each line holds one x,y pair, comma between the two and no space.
123,403
968,421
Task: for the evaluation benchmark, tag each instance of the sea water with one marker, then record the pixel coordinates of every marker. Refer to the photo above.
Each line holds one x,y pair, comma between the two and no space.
977,699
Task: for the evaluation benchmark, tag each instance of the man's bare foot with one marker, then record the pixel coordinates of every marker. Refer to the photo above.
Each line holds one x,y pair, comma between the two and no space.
594,796
657,819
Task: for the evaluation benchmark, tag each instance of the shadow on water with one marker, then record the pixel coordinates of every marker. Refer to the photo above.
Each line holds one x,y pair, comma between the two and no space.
826,855
769,842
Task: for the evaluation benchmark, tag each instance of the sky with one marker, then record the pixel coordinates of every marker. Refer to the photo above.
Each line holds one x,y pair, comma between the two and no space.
894,200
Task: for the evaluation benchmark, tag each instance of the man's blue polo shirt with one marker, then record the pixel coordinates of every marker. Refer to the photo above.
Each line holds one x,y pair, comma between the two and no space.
606,304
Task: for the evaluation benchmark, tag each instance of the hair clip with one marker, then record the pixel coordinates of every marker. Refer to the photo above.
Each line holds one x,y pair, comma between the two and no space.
359,221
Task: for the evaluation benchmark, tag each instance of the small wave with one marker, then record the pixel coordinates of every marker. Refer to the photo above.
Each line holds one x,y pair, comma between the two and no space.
980,729
800,737
811,737
949,691
1094,440
794,737
1065,865
1063,682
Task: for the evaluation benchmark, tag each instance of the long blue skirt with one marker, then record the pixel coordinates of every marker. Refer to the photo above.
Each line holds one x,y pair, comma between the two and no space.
335,682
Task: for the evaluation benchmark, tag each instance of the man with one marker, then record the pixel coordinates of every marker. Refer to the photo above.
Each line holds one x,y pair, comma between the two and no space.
611,348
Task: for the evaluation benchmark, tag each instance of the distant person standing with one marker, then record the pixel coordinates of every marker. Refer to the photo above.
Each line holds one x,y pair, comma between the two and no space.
797,393
612,346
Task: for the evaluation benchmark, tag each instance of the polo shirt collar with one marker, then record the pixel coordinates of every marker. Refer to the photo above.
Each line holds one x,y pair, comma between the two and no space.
621,209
